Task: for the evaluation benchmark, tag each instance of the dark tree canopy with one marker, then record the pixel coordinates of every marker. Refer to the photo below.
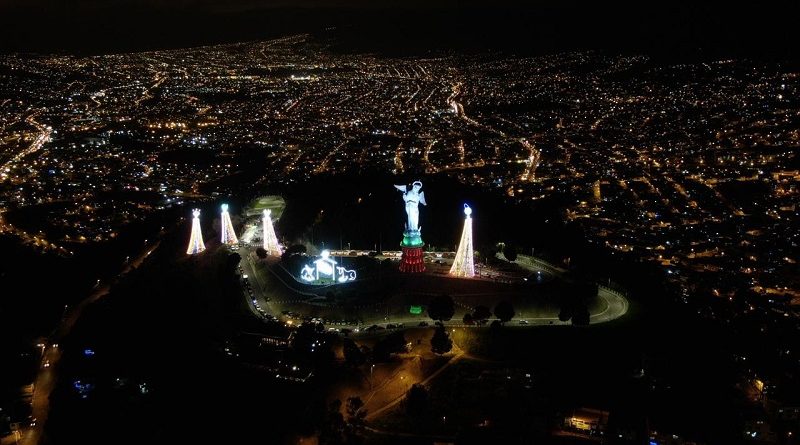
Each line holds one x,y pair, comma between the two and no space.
393,343
441,342
581,316
510,252
481,313
487,251
261,252
417,401
441,308
333,427
356,420
355,411
468,319
296,248
353,355
504,311
574,304
233,261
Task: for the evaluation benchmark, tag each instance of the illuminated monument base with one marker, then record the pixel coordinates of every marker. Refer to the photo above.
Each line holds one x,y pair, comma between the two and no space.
412,260
413,252
412,245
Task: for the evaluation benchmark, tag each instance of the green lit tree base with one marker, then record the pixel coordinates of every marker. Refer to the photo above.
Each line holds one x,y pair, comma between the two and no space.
412,239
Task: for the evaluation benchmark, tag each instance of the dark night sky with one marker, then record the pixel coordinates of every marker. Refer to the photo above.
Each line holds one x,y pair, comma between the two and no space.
679,29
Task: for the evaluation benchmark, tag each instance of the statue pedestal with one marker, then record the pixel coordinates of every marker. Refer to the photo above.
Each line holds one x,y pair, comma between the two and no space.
412,260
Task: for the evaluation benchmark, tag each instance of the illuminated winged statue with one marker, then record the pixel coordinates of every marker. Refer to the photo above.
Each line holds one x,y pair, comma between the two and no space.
413,199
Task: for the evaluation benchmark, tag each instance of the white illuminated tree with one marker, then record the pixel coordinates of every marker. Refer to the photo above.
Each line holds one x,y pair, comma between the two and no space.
270,238
228,235
464,263
196,239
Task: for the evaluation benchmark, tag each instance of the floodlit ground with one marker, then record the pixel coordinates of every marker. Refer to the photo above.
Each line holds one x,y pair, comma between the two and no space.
272,202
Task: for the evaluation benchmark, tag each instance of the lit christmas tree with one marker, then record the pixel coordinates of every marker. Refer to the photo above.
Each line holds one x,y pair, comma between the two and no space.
228,235
464,264
270,239
196,239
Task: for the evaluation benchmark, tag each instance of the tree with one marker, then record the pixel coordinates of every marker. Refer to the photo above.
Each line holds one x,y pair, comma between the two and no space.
261,252
416,401
510,252
504,311
353,355
487,251
441,308
333,427
391,344
481,313
574,303
581,316
468,319
294,249
356,420
232,262
566,312
355,411
441,342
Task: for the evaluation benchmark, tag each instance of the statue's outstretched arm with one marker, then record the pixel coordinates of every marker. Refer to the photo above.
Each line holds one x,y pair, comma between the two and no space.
422,198
402,188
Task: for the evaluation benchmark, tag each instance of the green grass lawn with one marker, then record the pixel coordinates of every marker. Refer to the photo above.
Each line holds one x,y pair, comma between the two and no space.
272,202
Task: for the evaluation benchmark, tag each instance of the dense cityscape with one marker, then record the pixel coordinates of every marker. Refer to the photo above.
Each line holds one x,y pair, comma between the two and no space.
673,163
690,168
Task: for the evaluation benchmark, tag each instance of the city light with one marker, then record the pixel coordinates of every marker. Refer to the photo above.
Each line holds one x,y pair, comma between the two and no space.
679,181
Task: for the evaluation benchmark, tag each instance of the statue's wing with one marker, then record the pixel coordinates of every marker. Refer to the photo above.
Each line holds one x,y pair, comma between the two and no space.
402,188
422,198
